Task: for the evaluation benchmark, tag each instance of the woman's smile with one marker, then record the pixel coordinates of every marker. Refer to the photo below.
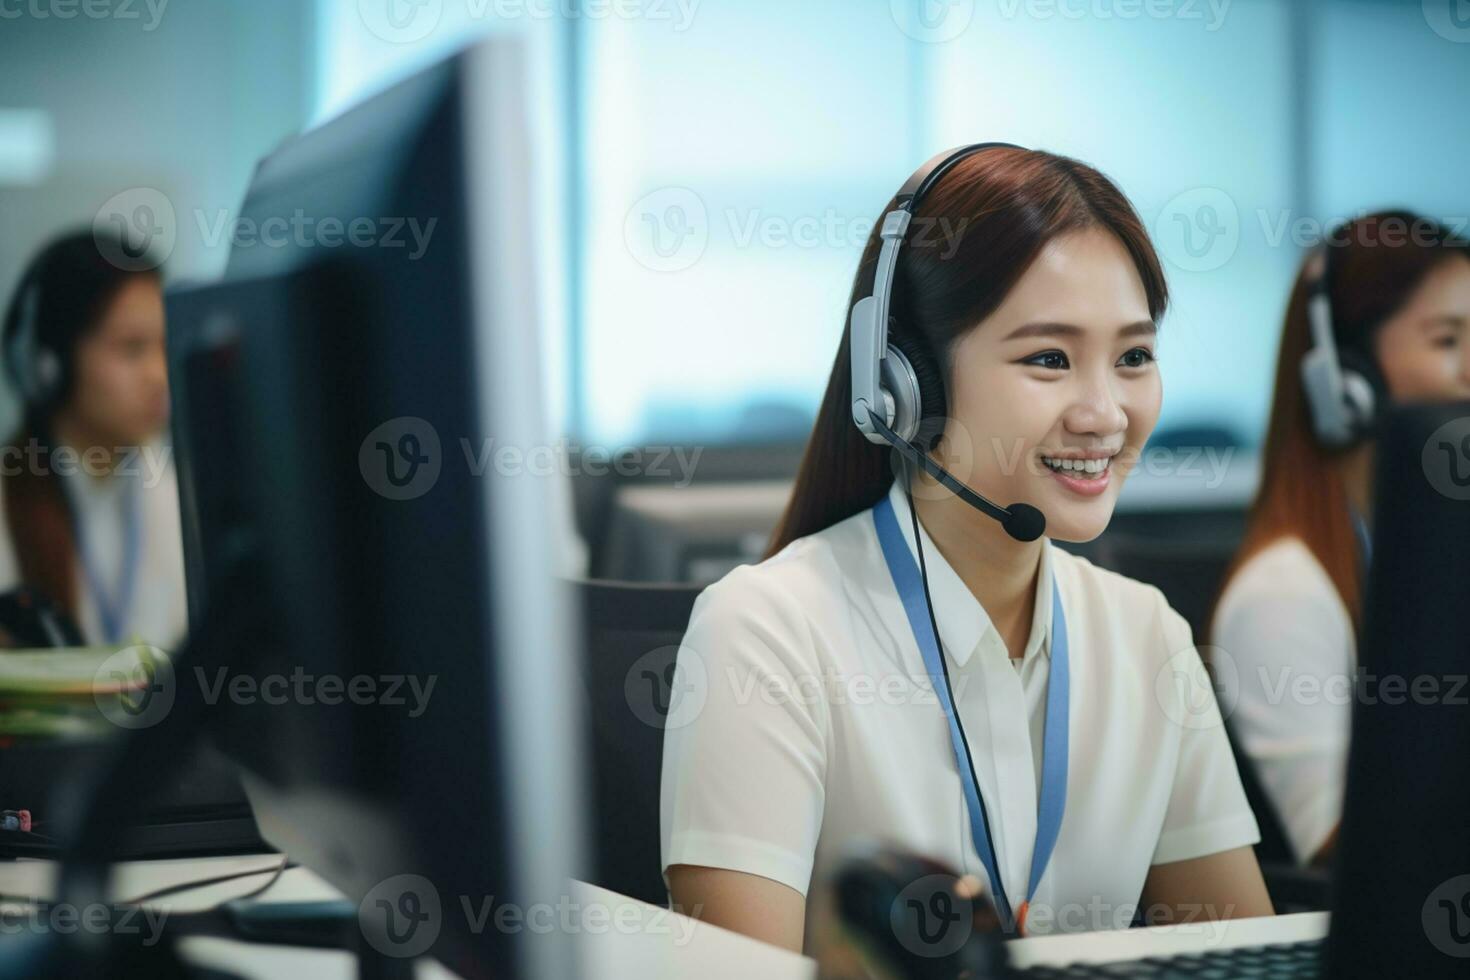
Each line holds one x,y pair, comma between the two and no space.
1087,476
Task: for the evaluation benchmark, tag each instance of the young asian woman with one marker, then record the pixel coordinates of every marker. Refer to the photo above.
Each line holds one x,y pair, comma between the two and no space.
1393,291
811,719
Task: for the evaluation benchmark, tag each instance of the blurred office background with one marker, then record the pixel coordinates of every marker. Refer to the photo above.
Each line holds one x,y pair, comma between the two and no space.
710,168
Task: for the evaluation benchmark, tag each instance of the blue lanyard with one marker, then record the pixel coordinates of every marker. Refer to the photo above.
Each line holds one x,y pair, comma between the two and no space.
112,609
1053,803
1365,541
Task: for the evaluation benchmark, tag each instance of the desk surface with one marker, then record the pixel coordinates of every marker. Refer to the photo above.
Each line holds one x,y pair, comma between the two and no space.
658,944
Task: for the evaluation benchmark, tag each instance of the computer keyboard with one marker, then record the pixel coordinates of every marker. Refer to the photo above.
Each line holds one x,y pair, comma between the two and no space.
1278,961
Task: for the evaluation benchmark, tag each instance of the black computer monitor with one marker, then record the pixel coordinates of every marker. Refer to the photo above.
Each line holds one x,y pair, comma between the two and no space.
375,332
204,388
1402,881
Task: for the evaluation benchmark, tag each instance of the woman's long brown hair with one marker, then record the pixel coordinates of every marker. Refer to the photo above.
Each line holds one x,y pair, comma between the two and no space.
974,235
1373,269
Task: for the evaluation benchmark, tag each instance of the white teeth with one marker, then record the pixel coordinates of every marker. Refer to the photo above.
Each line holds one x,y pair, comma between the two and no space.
1077,465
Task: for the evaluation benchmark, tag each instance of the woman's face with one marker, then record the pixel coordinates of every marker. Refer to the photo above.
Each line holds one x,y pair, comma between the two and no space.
120,390
1424,348
1063,370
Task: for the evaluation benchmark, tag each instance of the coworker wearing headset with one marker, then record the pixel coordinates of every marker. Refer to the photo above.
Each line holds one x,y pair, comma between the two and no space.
88,494
1379,312
1065,746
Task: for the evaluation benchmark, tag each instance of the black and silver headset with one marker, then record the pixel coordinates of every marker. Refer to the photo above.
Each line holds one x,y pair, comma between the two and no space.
898,395
1341,397
36,368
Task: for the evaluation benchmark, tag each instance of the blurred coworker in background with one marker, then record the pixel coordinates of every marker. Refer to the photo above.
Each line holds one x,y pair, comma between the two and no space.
1397,302
89,513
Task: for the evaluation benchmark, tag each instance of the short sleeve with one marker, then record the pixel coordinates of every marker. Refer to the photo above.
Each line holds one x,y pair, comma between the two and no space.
1291,642
1207,811
745,753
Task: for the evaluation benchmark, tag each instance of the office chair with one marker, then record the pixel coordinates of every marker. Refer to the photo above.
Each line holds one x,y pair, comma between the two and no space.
632,633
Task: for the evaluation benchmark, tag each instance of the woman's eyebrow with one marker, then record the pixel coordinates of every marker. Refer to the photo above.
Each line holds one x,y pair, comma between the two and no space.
1049,329
1454,321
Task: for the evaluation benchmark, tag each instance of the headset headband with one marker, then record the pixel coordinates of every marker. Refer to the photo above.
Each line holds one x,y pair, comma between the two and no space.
1319,299
868,323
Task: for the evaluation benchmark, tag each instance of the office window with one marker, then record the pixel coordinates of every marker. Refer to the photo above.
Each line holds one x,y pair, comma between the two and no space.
712,171
732,168
1189,115
1384,136
27,146
725,216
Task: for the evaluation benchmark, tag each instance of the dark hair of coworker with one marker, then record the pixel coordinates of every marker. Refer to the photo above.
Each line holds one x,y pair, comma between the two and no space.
69,286
1376,263
1006,204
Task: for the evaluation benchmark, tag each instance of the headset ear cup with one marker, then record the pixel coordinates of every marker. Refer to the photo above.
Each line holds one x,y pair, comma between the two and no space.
1363,387
933,406
47,374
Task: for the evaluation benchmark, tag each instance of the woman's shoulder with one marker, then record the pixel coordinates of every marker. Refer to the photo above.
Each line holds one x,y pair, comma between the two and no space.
1285,591
1113,604
801,591
804,574
1104,587
1283,569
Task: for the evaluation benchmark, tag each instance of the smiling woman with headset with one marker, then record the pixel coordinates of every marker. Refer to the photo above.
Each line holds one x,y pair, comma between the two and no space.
1380,312
89,512
914,665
